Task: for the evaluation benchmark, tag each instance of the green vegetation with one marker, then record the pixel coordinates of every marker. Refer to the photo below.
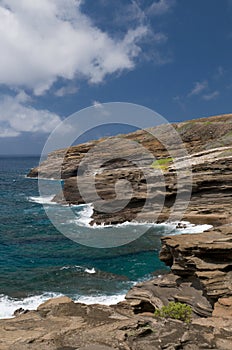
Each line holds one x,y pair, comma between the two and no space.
185,126
174,310
162,164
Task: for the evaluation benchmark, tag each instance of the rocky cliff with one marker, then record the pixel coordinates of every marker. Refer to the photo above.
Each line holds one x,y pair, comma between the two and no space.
200,264
200,276
208,142
201,272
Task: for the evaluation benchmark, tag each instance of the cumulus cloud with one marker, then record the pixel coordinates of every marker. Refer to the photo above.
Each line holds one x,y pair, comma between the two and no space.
211,96
198,88
17,116
44,40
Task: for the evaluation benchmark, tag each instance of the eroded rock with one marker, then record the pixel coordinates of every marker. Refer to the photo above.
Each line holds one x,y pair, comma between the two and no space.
209,145
206,258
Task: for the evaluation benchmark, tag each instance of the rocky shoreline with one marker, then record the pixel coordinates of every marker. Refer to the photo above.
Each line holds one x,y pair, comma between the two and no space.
208,145
200,264
200,276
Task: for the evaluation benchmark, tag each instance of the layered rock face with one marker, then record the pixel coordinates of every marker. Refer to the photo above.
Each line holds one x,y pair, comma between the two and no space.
200,276
207,258
200,264
153,175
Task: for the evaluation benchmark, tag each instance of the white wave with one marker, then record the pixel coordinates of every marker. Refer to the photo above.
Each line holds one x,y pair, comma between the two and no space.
102,299
77,267
41,178
126,223
84,216
169,227
42,200
9,305
91,271
187,227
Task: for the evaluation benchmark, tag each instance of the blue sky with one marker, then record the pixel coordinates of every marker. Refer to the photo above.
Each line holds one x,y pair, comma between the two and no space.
59,56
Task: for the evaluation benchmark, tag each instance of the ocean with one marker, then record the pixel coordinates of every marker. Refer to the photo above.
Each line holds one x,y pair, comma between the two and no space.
37,262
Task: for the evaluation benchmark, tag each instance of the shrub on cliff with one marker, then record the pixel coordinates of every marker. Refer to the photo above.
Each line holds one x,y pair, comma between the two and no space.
176,310
162,164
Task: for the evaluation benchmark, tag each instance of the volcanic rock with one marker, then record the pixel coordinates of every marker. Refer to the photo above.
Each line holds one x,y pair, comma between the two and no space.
206,258
124,173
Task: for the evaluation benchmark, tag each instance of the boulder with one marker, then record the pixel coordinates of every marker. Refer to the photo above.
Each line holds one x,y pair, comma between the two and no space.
223,308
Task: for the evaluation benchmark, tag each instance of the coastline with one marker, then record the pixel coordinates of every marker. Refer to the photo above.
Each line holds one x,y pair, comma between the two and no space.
130,324
10,305
205,185
200,264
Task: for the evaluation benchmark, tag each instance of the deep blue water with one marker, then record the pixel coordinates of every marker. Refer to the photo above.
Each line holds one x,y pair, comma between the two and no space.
36,259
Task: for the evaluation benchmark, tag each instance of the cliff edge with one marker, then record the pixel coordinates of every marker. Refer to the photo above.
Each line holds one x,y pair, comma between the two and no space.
208,142
201,266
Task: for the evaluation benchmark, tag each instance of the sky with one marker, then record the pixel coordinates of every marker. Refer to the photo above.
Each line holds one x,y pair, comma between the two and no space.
60,56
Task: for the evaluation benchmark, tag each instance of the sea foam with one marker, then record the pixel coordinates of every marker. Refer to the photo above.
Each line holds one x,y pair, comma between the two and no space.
42,199
85,212
9,305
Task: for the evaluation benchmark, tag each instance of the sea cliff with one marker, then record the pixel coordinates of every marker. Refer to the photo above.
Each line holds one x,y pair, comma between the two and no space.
200,264
208,142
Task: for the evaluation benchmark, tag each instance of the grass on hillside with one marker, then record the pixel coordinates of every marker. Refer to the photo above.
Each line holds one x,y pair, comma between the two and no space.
162,164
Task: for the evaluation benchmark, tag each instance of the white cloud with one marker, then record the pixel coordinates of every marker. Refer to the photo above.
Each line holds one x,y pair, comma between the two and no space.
66,90
198,88
7,132
16,116
97,104
100,108
211,96
128,13
44,40
160,37
161,7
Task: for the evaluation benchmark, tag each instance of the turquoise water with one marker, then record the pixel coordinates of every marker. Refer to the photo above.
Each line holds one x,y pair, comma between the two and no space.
37,261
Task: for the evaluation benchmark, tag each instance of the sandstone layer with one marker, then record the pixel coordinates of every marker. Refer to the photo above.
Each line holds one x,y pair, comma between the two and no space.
151,170
200,276
200,264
